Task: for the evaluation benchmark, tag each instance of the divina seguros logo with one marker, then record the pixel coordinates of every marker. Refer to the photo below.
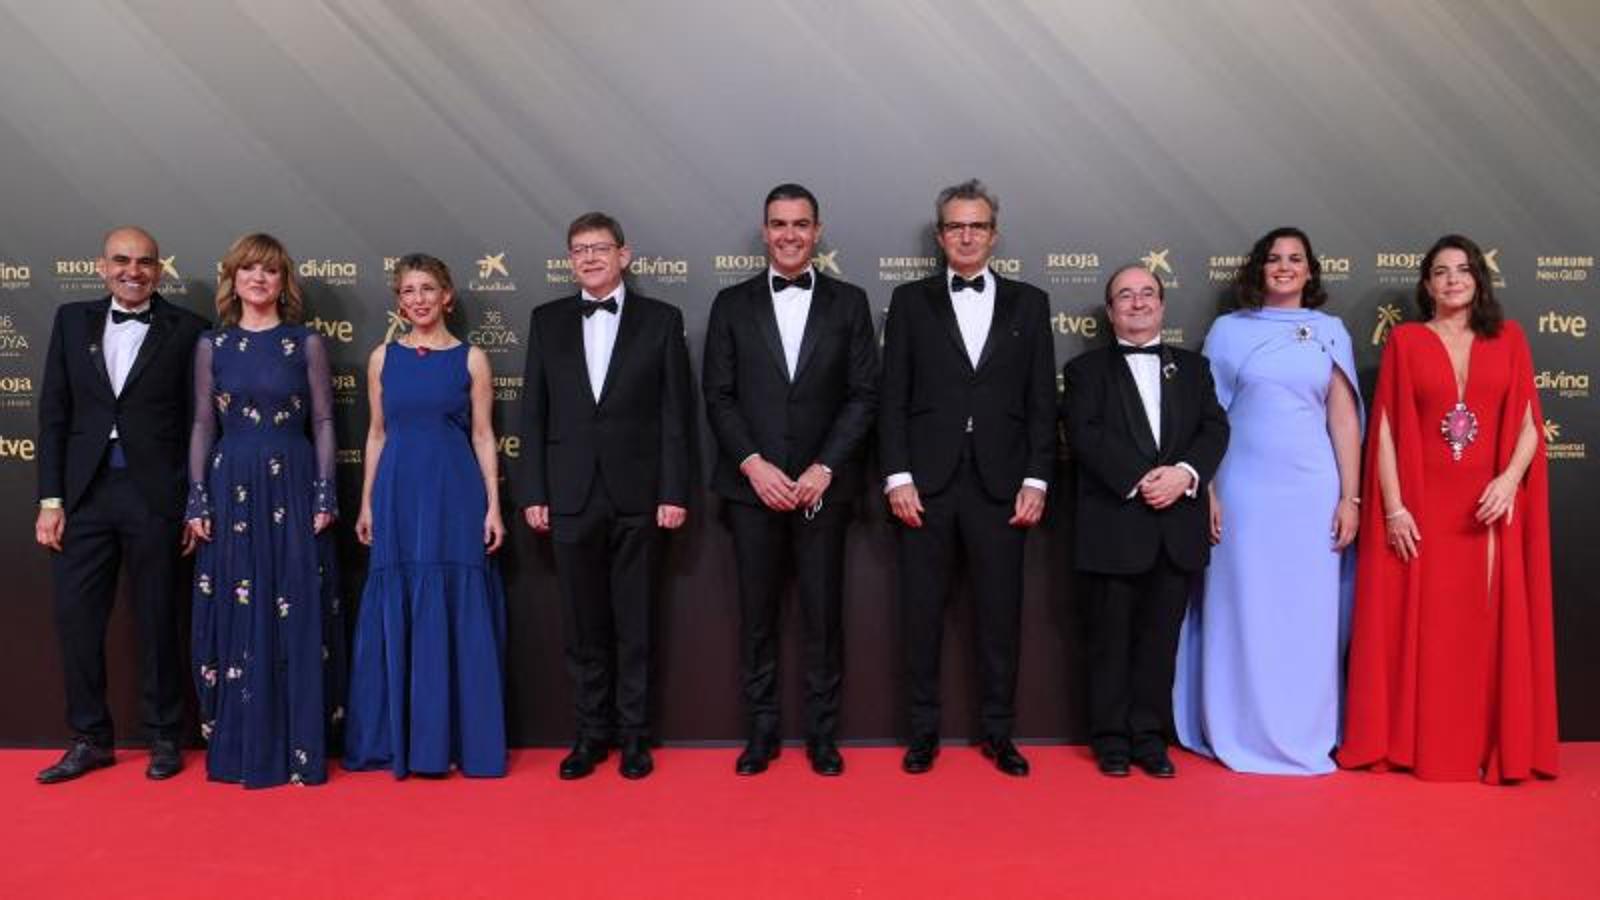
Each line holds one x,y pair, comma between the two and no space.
15,276
333,272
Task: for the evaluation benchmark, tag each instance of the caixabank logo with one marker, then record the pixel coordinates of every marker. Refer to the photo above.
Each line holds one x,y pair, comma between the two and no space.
16,392
1564,269
493,333
1558,445
331,272
13,341
1158,262
15,276
78,275
1072,267
171,282
492,275
1560,382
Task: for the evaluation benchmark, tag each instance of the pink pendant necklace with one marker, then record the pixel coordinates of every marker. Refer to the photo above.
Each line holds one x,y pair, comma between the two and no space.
1459,428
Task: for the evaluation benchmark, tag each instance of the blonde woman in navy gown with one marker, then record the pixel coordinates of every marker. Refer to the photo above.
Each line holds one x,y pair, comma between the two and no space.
1260,657
426,689
268,634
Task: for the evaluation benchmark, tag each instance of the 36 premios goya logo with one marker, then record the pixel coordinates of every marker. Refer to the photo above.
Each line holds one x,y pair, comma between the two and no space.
13,342
493,333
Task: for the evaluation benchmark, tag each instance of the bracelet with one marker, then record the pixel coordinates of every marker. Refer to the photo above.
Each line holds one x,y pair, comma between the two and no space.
1402,511
1355,500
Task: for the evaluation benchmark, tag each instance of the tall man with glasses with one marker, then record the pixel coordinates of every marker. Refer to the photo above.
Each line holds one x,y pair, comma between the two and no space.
966,437
115,412
1146,433
790,381
605,468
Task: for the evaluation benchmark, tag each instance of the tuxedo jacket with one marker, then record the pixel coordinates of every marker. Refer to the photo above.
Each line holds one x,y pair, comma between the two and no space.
153,415
1111,442
635,436
931,390
823,415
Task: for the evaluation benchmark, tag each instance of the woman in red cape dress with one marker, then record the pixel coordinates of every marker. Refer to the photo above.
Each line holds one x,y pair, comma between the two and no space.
1452,670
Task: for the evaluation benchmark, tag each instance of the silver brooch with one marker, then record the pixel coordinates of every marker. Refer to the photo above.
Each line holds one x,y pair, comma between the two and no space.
1303,333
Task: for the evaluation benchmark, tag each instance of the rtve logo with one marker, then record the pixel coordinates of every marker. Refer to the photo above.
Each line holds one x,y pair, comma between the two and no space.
1575,326
16,448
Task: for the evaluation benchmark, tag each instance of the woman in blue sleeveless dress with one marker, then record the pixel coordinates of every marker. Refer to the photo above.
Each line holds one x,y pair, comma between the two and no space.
268,636
1260,660
426,677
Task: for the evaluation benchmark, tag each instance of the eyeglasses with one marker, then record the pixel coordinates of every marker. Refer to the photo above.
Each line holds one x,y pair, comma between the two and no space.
582,250
954,228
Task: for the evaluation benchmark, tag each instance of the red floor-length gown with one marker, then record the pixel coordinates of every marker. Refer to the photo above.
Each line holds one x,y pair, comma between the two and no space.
1452,670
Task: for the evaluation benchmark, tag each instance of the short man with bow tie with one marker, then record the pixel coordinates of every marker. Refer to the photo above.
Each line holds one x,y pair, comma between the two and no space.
1146,433
967,441
115,412
604,470
790,381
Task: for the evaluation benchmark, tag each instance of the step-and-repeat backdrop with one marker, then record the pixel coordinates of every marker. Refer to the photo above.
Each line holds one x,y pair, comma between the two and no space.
1163,133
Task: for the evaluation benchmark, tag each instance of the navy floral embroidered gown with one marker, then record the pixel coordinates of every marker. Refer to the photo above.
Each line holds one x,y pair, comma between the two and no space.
268,638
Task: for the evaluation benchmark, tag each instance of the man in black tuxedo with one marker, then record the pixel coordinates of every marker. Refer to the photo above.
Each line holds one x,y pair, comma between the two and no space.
115,413
790,381
605,467
966,436
1146,432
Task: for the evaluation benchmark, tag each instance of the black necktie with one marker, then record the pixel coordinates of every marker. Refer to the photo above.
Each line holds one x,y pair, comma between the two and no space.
1128,350
609,304
958,284
118,316
801,281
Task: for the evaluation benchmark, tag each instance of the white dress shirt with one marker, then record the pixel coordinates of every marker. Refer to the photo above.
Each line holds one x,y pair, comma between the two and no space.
599,337
974,316
1146,371
120,344
792,305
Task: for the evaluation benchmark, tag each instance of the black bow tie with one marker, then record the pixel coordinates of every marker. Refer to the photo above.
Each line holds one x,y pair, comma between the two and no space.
590,307
957,283
801,281
1127,350
118,316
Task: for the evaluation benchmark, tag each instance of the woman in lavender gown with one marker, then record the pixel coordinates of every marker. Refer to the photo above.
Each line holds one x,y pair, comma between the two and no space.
268,636
1261,655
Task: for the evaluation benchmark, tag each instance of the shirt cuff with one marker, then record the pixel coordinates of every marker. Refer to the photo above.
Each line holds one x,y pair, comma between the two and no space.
1194,486
896,480
747,459
50,503
1037,484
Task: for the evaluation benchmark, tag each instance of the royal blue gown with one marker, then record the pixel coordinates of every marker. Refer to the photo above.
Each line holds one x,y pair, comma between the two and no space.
1260,659
267,644
426,674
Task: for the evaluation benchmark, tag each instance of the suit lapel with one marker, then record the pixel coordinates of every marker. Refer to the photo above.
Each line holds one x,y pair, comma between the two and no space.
627,330
766,316
161,315
821,301
569,343
1005,309
1169,402
1133,408
94,324
944,310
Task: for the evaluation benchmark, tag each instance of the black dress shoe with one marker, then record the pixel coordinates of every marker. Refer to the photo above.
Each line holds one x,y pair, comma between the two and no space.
1113,764
636,761
81,758
1156,765
756,755
920,754
824,756
582,760
1006,756
165,760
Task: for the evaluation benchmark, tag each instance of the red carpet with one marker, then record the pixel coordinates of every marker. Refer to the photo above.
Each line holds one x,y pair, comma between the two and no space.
695,830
